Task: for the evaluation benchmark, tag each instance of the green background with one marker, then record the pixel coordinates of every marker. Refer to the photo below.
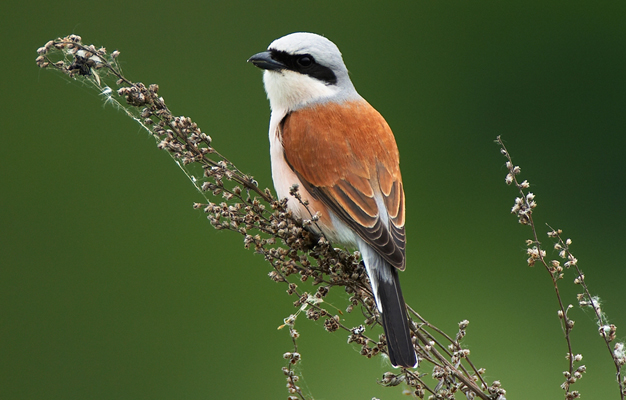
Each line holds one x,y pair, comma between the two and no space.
113,287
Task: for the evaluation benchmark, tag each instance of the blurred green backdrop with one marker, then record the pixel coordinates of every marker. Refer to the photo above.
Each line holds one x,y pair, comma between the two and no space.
113,287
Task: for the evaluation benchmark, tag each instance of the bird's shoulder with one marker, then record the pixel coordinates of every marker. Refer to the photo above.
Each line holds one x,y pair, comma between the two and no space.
329,140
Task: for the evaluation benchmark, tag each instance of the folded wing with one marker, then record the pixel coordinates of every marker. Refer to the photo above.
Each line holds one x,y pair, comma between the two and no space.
346,157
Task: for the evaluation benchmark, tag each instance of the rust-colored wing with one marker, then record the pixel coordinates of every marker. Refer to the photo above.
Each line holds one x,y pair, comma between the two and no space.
346,157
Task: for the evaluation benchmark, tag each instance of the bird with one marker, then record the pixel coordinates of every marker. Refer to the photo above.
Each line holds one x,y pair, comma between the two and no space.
342,155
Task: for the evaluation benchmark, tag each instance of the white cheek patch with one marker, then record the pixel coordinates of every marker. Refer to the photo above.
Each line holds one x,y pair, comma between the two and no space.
288,89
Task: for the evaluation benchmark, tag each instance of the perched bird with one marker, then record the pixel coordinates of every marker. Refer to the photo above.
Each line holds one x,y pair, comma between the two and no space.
339,150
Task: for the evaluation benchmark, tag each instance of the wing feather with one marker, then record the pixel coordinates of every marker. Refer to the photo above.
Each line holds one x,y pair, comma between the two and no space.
359,162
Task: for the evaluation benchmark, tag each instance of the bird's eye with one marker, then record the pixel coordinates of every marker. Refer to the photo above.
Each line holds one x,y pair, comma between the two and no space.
305,61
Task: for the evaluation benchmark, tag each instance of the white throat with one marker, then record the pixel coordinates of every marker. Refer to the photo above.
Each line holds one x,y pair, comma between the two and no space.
289,90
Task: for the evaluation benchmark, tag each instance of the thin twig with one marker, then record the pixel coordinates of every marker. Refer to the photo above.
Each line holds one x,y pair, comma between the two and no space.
523,208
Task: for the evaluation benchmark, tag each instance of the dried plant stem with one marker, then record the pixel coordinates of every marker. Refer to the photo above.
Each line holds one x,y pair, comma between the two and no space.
585,299
235,202
454,343
526,205
523,208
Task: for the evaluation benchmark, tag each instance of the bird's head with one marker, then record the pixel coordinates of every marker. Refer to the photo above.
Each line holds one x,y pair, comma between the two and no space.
301,69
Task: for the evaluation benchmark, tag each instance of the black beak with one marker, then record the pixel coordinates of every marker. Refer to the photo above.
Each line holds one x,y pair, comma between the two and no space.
264,60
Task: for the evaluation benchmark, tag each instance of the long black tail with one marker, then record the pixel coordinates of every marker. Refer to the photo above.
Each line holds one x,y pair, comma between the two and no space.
390,302
395,321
